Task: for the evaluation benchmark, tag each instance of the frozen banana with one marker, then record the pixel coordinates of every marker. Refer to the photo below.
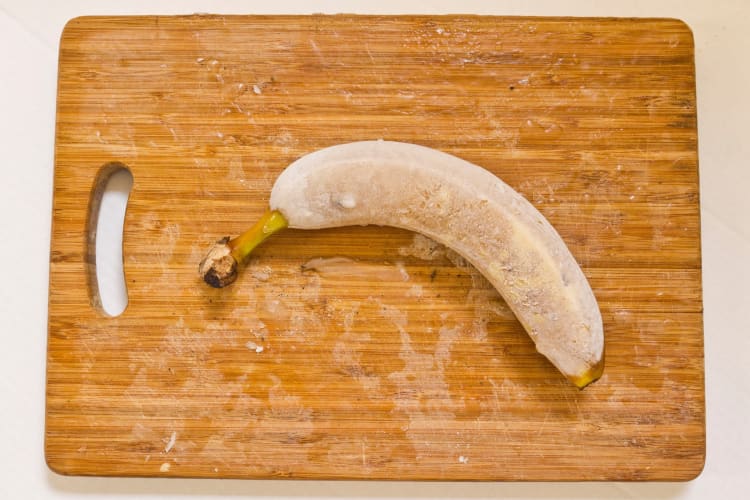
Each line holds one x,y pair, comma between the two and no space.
456,203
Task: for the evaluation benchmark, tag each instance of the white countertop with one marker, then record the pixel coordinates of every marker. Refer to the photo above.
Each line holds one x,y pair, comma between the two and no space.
29,34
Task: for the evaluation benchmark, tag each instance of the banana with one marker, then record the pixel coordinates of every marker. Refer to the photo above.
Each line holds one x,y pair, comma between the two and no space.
456,203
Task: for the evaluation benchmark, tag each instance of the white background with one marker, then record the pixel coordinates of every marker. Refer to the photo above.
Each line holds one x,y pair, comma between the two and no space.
29,37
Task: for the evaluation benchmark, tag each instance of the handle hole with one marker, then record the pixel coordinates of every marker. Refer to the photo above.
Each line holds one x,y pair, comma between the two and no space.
106,222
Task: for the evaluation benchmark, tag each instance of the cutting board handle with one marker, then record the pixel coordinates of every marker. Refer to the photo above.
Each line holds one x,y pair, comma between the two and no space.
104,236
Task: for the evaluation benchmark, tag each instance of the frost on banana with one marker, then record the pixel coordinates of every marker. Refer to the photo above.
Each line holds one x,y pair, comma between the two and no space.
456,203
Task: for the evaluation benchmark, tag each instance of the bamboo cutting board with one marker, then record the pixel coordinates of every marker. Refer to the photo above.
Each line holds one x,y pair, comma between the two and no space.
392,358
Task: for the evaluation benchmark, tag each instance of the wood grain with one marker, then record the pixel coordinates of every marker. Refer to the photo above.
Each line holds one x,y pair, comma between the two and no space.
403,364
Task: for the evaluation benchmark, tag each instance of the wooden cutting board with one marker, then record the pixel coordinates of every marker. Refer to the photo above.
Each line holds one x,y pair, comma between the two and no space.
394,358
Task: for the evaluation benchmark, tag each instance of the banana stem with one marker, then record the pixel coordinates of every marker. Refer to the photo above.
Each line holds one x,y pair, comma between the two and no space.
270,223
219,267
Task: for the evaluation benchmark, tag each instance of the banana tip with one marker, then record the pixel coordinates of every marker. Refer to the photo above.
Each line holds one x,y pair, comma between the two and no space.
589,376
